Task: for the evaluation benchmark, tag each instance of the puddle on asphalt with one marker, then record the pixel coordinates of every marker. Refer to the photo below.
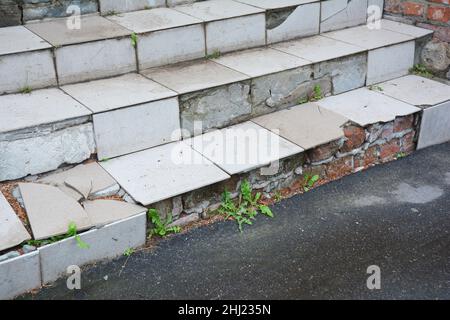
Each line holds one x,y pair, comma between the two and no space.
418,195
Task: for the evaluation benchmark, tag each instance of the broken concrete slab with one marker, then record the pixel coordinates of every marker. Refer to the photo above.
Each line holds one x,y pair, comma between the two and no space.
318,48
364,106
107,242
19,275
20,39
276,4
163,172
339,14
416,90
404,28
114,93
50,211
259,62
102,212
12,231
243,147
218,10
153,20
307,125
367,38
194,76
85,174
60,32
20,111
79,184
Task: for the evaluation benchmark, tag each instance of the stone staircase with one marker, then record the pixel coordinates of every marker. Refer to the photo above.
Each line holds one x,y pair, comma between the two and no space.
166,108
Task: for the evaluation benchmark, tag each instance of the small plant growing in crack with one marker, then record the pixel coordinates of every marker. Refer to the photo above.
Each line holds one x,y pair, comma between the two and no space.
215,55
277,196
375,88
111,13
128,252
71,232
315,95
400,155
134,39
421,70
310,181
161,226
247,207
26,90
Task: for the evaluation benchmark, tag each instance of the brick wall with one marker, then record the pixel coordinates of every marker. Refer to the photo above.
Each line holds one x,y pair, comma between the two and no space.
430,14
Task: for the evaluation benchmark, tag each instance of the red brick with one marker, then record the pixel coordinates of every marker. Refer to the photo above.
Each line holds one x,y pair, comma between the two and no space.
439,13
389,151
413,8
403,123
408,143
323,152
355,136
393,6
340,168
369,158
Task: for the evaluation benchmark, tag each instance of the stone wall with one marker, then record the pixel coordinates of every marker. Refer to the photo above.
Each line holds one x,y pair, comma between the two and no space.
430,14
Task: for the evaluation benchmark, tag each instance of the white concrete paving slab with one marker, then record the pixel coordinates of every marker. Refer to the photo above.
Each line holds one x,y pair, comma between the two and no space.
390,62
318,48
241,33
307,125
243,147
95,60
104,243
259,62
80,185
171,46
153,20
50,210
415,90
27,70
275,4
19,111
12,231
61,32
87,174
19,275
117,6
404,28
367,38
303,21
20,39
364,106
339,14
435,125
102,212
114,93
194,76
218,10
163,172
136,128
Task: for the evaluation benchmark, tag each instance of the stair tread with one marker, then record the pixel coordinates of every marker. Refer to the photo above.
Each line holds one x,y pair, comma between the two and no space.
306,125
19,39
367,38
243,147
417,91
259,62
364,106
92,28
19,111
12,231
114,93
153,20
194,76
276,4
318,48
217,10
153,175
404,28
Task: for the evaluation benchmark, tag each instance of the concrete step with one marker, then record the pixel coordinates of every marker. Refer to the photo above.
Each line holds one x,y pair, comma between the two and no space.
116,116
95,47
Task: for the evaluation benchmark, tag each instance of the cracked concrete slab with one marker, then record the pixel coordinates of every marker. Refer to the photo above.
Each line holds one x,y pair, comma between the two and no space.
276,4
339,14
12,231
259,62
85,174
307,125
80,184
102,212
50,211
364,106
243,147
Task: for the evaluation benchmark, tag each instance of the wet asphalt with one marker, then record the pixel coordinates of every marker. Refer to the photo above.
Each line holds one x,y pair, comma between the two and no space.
319,245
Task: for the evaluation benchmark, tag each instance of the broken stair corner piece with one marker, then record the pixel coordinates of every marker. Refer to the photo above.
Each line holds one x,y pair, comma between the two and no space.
102,212
50,211
12,231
